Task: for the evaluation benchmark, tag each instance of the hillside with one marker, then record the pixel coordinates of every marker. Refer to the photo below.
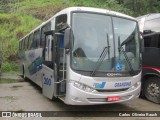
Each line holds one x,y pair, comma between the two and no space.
18,17
12,28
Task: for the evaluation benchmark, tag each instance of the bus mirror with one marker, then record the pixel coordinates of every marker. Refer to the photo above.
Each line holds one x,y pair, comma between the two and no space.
67,38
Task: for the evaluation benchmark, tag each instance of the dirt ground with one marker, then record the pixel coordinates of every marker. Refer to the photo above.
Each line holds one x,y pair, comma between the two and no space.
26,96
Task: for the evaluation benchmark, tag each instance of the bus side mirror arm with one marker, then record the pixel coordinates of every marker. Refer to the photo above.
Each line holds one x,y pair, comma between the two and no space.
67,38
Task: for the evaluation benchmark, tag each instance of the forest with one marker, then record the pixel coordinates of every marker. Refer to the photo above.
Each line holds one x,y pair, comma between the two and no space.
18,17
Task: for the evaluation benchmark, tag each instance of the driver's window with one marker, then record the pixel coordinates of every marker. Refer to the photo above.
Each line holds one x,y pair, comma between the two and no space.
61,21
45,28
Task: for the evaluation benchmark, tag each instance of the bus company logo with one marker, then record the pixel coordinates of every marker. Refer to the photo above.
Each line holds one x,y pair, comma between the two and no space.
99,85
122,84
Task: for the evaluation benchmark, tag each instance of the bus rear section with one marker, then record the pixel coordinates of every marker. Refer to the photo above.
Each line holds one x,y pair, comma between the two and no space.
90,56
151,56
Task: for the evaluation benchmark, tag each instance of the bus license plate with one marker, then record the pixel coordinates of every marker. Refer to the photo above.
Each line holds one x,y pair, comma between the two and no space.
113,98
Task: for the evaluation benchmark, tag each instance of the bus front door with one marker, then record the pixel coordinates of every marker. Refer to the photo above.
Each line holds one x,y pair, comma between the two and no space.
48,66
60,65
54,67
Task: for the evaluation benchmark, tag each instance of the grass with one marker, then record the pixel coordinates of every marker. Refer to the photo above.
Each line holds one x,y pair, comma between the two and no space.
7,81
9,67
12,28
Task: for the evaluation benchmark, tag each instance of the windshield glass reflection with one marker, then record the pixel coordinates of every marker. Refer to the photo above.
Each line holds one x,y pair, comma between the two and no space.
93,33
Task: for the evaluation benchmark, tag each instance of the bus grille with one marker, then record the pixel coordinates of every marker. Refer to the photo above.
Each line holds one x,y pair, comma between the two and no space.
113,90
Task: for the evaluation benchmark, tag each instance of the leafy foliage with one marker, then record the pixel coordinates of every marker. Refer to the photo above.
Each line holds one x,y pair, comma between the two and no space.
12,28
18,17
141,7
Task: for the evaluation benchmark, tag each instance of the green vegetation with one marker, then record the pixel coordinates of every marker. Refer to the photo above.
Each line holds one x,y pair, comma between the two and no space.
18,17
12,28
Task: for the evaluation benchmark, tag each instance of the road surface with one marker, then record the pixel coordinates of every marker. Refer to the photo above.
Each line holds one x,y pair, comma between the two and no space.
26,96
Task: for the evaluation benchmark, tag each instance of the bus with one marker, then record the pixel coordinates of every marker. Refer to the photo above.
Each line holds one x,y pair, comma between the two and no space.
84,56
150,27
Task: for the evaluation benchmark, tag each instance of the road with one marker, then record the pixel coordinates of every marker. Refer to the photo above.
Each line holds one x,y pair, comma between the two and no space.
25,96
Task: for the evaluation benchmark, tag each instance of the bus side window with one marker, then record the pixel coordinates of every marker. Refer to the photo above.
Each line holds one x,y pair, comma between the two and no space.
22,45
26,43
30,41
36,39
45,28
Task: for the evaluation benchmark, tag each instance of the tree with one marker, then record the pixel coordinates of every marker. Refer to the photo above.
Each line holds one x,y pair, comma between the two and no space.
141,7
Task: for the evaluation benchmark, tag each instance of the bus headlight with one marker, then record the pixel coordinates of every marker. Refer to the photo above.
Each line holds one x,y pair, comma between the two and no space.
83,87
135,85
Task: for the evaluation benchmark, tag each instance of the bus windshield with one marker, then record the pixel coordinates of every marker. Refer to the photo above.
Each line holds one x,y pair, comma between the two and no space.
95,32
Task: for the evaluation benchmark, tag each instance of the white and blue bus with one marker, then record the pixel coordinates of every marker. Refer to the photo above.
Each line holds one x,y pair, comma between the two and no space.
84,56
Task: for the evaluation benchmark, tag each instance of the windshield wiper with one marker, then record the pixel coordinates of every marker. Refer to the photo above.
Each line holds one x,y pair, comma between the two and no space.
101,57
120,48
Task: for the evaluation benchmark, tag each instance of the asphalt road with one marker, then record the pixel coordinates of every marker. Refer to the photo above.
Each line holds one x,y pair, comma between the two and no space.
25,96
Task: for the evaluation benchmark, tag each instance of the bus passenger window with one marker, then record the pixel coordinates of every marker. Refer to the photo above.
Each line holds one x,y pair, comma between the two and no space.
26,42
30,41
45,28
36,39
22,45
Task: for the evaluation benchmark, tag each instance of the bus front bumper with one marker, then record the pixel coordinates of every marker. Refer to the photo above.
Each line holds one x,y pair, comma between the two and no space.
75,96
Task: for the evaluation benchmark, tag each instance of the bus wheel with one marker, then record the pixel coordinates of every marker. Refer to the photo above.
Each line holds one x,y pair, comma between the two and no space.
152,89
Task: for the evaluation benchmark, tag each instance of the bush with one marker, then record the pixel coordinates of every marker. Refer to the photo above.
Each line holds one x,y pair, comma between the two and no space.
9,67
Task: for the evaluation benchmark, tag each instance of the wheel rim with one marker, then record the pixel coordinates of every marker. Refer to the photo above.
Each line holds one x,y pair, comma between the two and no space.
153,89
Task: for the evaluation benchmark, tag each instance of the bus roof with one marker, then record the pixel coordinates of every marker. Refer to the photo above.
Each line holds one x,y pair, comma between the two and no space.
96,10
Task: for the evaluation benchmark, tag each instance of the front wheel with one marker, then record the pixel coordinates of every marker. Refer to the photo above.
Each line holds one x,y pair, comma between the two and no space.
152,89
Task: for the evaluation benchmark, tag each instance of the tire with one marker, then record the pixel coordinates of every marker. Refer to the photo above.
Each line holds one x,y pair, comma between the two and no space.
152,89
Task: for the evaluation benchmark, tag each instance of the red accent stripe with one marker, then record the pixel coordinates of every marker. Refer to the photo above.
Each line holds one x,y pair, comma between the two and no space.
153,68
